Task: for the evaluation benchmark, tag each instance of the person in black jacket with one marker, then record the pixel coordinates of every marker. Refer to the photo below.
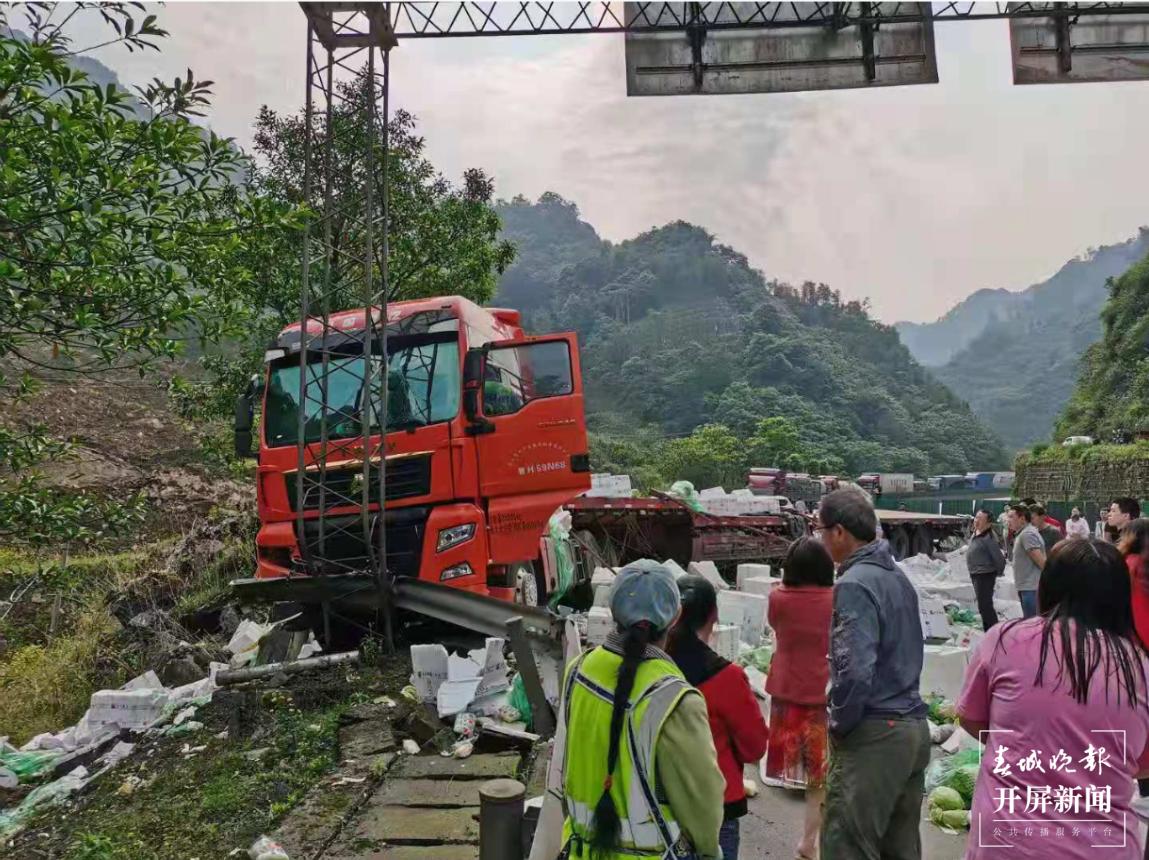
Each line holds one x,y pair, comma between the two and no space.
986,563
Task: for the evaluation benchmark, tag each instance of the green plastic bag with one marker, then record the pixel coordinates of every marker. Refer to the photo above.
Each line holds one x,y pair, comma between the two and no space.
684,490
958,771
517,699
559,532
962,616
28,765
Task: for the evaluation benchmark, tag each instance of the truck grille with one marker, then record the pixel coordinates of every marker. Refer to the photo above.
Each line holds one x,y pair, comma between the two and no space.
407,477
344,548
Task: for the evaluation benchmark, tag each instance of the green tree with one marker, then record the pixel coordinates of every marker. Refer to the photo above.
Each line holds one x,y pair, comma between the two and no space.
776,443
710,456
444,238
1111,399
119,229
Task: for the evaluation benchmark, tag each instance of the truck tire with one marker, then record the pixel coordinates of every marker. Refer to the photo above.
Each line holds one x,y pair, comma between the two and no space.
530,584
900,542
923,540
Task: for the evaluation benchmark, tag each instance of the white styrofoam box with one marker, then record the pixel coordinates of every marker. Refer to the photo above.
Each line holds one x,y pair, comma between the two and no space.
743,493
674,568
709,571
968,637
599,625
747,570
605,485
602,576
724,641
602,595
128,709
760,585
1005,588
428,670
759,505
147,681
942,670
1007,610
746,611
935,622
957,592
712,493
493,666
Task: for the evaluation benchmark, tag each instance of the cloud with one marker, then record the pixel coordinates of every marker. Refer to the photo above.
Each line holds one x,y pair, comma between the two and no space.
913,196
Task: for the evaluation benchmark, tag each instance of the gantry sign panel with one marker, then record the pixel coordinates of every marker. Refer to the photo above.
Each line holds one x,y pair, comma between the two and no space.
813,52
1071,48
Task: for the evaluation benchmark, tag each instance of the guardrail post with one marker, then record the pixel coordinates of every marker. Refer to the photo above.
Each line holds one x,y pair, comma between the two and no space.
501,819
542,720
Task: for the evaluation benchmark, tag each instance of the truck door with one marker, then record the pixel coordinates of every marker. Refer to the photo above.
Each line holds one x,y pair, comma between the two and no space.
524,406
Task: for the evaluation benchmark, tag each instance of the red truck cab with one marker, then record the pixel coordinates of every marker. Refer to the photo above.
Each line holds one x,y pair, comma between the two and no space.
485,439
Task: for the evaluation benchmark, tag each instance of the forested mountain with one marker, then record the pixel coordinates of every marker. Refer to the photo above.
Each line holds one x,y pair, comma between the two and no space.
678,331
1111,400
1014,357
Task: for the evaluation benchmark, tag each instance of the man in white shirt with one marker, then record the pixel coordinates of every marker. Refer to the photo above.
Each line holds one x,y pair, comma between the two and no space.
1076,526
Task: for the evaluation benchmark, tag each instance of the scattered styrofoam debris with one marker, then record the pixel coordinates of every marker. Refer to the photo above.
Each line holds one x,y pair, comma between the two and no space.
709,571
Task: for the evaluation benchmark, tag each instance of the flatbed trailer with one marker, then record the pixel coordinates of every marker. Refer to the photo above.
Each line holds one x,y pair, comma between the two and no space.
615,531
911,533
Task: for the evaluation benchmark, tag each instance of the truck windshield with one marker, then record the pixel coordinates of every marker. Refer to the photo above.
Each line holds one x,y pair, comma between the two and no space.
423,388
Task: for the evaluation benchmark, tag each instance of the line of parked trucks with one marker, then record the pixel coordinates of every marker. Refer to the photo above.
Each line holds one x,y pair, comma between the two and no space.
809,488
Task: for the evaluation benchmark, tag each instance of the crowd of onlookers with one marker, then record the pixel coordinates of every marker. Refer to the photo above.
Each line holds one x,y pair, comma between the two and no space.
1048,693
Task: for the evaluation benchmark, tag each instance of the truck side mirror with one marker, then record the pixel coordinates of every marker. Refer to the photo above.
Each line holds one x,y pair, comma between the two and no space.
472,382
473,365
245,419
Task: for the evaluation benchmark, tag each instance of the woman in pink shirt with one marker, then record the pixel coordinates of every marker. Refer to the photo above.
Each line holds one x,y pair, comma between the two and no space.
1060,703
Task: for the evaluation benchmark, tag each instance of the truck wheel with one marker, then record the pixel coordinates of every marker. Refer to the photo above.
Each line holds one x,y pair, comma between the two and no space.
530,587
900,542
923,541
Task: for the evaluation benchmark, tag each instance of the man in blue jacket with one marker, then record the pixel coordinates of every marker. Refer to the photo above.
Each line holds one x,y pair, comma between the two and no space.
880,743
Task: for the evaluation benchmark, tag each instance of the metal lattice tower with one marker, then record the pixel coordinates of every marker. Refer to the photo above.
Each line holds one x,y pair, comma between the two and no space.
342,381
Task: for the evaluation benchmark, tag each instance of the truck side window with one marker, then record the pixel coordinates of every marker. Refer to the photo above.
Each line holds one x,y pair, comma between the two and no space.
516,375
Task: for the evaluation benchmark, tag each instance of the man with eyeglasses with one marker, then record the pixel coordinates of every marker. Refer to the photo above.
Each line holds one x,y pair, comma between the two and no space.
880,743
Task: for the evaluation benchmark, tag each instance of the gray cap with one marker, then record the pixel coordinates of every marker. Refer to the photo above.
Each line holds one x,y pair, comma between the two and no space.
644,590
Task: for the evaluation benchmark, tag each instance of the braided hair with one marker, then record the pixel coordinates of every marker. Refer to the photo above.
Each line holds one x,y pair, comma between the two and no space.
607,825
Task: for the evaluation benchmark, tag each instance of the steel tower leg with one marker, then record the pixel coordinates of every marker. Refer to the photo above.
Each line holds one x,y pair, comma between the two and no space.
343,380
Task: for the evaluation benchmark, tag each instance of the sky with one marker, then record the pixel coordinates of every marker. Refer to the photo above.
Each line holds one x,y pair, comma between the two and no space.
914,197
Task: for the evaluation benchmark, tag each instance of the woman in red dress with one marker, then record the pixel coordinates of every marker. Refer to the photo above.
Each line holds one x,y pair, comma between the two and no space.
799,614
1134,545
736,722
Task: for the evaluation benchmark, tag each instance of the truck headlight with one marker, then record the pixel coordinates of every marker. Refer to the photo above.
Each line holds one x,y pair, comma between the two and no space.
455,571
454,536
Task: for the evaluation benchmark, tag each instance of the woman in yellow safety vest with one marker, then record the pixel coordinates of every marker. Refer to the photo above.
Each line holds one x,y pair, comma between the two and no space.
640,774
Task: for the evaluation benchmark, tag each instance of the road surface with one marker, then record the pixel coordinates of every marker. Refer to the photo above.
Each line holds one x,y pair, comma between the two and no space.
774,825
